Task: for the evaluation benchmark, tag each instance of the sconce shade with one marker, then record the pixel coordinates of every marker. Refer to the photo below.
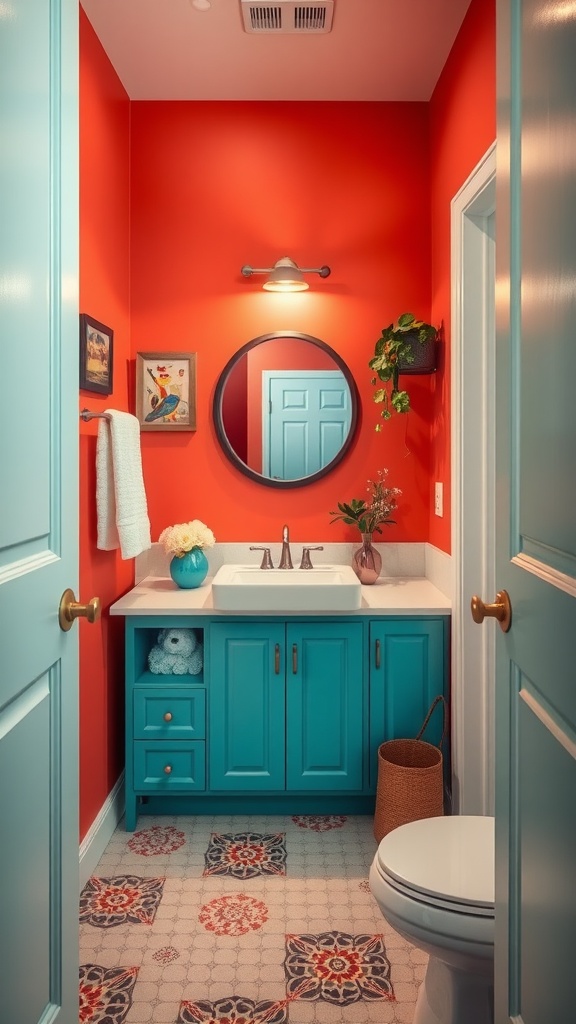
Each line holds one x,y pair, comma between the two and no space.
285,275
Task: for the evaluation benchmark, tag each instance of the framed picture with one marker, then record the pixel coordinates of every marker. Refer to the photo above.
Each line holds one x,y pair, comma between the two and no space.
96,355
166,390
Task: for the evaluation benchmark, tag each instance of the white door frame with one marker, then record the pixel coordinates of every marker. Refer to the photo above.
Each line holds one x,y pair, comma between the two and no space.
472,460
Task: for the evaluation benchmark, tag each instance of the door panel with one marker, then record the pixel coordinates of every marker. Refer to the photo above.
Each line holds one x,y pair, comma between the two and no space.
545,831
246,714
324,706
536,494
38,511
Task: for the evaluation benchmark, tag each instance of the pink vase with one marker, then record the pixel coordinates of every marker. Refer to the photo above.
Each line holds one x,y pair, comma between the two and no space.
367,561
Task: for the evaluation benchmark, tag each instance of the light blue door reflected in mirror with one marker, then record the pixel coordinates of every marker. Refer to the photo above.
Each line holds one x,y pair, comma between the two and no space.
305,421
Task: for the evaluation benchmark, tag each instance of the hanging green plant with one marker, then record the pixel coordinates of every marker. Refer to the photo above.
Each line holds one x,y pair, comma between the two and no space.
396,352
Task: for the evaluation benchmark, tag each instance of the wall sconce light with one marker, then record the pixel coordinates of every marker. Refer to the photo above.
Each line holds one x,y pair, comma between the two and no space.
285,275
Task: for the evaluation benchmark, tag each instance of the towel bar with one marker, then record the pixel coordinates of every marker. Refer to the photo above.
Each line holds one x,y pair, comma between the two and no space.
87,415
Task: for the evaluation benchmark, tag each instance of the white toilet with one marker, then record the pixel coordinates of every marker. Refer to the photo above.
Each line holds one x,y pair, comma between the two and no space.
434,883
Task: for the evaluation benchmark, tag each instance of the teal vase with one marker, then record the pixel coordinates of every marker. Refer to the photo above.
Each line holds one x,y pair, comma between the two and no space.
191,570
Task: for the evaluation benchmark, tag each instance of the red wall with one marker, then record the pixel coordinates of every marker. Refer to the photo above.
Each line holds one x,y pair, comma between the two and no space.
463,126
104,294
218,185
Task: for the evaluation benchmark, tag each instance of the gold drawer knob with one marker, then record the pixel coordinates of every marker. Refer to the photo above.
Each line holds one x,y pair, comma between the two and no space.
168,769
168,716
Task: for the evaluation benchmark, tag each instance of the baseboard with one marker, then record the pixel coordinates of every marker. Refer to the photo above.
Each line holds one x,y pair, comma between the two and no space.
100,832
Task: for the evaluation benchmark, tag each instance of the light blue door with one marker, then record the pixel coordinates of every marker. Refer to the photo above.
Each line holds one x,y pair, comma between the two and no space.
536,517
38,518
306,420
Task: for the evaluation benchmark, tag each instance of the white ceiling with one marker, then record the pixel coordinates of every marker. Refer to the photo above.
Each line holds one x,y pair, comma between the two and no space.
377,50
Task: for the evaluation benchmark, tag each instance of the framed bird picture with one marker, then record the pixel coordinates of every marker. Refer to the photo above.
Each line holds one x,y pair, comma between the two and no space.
166,390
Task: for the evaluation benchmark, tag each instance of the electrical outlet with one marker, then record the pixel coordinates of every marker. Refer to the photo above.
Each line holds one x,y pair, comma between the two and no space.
438,499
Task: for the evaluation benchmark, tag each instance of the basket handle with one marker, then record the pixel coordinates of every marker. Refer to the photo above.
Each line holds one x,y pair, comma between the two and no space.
437,700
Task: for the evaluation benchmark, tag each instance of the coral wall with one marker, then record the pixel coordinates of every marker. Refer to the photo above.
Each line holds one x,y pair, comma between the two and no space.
463,127
104,294
218,185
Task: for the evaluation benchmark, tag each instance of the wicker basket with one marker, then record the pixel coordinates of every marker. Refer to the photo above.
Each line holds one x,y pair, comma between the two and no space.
410,779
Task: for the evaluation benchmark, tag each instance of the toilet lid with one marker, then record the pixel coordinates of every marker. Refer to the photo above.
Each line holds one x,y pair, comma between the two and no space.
450,859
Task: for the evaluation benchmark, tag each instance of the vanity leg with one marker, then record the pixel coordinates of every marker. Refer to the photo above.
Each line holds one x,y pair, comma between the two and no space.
131,813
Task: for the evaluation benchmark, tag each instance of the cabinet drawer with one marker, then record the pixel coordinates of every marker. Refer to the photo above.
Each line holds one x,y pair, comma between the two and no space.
164,766
169,713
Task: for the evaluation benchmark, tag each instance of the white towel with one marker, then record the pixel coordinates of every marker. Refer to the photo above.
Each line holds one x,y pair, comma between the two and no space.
120,496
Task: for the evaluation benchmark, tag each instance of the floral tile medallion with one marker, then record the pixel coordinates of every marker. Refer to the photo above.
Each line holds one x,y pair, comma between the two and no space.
105,993
124,899
246,854
233,1010
236,914
158,839
337,968
166,955
319,822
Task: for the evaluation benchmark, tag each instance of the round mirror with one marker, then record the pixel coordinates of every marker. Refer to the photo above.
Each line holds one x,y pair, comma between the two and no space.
285,409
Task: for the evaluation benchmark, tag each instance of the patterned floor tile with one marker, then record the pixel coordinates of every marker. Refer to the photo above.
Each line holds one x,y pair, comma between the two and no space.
105,994
337,967
246,854
125,899
319,822
233,1010
155,840
233,915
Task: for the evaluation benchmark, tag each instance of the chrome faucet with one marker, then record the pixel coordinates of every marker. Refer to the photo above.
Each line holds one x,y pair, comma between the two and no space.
285,557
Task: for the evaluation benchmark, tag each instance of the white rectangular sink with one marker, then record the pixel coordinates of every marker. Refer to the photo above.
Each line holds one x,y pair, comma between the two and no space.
325,588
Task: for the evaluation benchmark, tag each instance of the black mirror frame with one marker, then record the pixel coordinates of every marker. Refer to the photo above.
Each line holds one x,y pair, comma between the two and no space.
219,422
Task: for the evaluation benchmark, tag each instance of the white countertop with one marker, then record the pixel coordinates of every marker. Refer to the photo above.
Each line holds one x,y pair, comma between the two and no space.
394,595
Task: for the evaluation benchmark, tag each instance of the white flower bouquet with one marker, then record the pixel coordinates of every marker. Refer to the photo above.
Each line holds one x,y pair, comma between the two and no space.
183,537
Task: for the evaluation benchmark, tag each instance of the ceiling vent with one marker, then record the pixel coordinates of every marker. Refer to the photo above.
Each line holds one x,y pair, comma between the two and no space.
287,16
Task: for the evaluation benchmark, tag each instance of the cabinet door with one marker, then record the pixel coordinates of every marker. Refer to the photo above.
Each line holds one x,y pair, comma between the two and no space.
407,670
324,688
246,702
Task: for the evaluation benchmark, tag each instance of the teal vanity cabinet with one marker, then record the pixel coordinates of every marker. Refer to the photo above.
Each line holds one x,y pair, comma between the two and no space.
408,668
286,706
165,721
286,716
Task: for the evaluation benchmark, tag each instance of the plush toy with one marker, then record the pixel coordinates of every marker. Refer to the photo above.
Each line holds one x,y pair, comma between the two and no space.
177,652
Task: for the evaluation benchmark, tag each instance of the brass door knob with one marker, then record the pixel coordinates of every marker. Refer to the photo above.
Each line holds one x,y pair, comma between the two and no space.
168,716
500,610
168,769
70,609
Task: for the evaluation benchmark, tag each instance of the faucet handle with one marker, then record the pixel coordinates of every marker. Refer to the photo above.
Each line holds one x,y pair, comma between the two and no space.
306,563
266,557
